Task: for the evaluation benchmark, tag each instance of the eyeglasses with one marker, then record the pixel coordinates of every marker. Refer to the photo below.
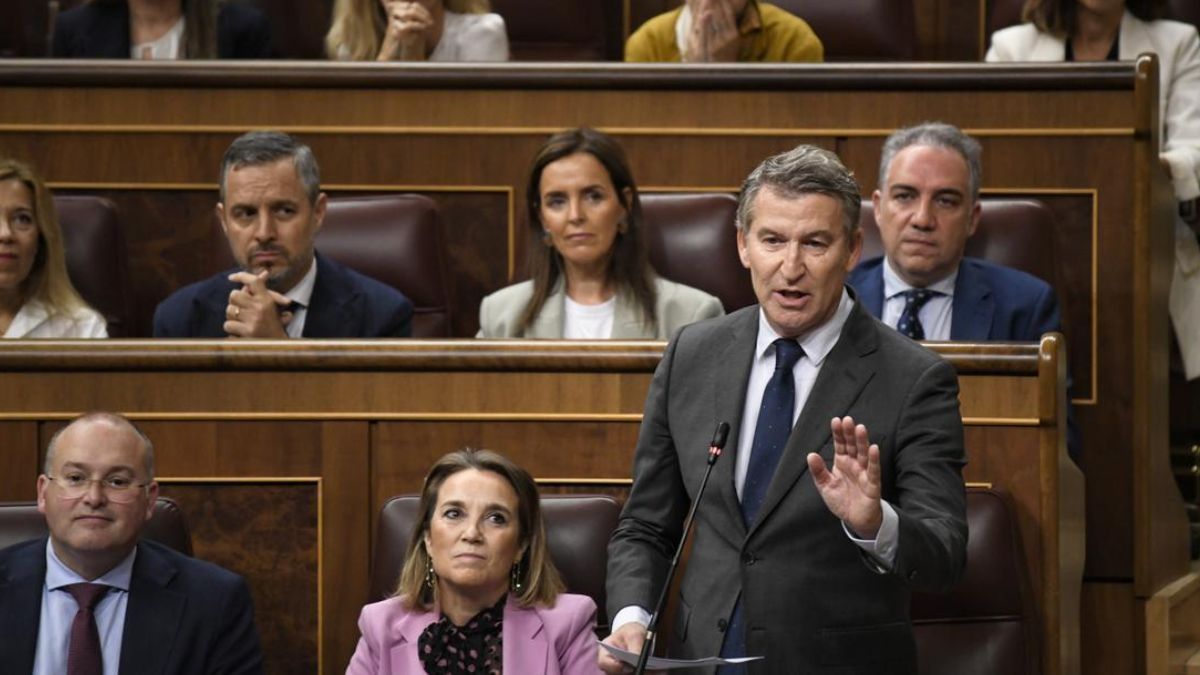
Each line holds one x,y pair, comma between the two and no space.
118,489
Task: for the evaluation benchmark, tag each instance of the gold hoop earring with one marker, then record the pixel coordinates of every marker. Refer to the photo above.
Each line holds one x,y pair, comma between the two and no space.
430,577
514,579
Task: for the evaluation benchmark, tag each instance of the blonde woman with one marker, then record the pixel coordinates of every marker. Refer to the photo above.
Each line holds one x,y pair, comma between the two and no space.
36,296
416,30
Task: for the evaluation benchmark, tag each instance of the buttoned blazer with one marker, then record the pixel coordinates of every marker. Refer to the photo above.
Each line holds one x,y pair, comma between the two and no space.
675,305
551,640
991,302
184,616
344,304
100,30
813,602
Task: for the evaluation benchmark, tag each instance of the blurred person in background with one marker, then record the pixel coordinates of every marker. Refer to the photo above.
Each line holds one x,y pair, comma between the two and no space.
162,30
703,31
416,30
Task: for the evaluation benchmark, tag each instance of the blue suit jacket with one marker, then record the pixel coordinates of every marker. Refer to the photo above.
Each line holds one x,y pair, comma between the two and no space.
344,304
100,30
184,617
991,302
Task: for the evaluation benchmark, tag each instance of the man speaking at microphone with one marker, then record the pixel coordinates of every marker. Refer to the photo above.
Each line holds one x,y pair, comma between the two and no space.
814,571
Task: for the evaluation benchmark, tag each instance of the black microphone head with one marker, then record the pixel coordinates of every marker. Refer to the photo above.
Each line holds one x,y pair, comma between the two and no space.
720,435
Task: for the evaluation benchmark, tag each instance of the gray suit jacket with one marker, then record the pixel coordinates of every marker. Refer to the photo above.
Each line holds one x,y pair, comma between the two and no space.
676,305
812,603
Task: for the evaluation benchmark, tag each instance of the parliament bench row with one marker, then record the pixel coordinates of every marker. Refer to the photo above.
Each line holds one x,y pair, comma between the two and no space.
398,239
984,626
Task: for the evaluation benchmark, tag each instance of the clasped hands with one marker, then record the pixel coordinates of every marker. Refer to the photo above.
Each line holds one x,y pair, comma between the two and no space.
255,311
408,25
851,489
714,35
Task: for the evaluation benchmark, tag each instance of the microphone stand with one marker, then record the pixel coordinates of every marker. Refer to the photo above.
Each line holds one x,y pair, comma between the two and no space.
714,452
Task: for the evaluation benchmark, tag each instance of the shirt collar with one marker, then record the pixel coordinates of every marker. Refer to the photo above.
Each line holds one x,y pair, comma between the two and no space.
817,343
893,285
302,291
59,575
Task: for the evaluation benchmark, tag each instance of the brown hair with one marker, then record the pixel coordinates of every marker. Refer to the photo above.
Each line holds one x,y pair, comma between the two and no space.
540,581
48,280
1057,17
358,26
629,265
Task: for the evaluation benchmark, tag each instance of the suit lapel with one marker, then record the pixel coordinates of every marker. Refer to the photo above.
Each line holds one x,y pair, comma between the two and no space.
21,584
844,374
525,647
403,654
329,314
211,305
973,305
627,320
731,376
870,290
549,322
154,613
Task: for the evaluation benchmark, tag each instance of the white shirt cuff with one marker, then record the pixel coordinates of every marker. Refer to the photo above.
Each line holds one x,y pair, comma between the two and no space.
883,546
630,614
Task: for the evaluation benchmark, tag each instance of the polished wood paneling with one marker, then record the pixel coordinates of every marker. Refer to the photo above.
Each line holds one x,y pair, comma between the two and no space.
20,460
1111,631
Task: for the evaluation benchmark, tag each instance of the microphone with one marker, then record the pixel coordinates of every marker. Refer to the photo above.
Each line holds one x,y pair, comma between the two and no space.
714,453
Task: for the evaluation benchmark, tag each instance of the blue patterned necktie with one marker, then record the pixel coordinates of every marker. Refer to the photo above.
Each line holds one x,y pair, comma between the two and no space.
910,321
770,438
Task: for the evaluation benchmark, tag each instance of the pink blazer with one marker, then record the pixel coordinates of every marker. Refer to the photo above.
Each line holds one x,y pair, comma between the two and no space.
555,641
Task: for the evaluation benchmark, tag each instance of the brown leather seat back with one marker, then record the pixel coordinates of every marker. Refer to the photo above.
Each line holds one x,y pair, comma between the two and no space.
1187,11
986,625
692,240
97,261
21,521
1017,233
577,531
553,30
396,239
860,30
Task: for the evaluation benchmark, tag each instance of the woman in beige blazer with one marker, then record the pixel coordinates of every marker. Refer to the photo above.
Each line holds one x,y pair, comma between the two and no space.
590,273
1095,30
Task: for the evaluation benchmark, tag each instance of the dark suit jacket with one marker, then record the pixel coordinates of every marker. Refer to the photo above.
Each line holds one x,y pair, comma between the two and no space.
344,304
100,30
991,302
184,616
812,603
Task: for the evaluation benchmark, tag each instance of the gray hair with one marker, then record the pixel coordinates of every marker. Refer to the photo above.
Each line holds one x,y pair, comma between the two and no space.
938,135
110,418
803,170
256,148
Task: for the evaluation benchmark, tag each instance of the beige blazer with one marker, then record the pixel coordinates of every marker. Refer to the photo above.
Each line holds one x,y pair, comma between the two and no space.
1177,46
676,305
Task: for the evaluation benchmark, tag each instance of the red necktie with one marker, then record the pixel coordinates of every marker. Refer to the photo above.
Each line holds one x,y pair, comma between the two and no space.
83,654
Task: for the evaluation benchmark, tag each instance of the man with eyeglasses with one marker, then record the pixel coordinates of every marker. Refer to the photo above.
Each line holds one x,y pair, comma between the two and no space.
92,599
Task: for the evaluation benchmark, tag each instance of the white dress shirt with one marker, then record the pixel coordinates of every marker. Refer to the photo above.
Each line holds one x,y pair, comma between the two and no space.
816,344
937,314
166,48
59,608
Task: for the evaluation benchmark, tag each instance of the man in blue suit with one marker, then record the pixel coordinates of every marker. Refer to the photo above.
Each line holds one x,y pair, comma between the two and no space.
927,206
93,599
270,210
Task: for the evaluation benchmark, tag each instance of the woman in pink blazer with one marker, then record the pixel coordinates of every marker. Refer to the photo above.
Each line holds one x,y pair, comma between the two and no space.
478,592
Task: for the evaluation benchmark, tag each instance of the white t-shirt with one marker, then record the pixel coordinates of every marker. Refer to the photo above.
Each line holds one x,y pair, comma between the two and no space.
589,322
472,37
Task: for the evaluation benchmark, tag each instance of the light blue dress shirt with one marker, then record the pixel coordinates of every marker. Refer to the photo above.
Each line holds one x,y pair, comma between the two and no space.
59,608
